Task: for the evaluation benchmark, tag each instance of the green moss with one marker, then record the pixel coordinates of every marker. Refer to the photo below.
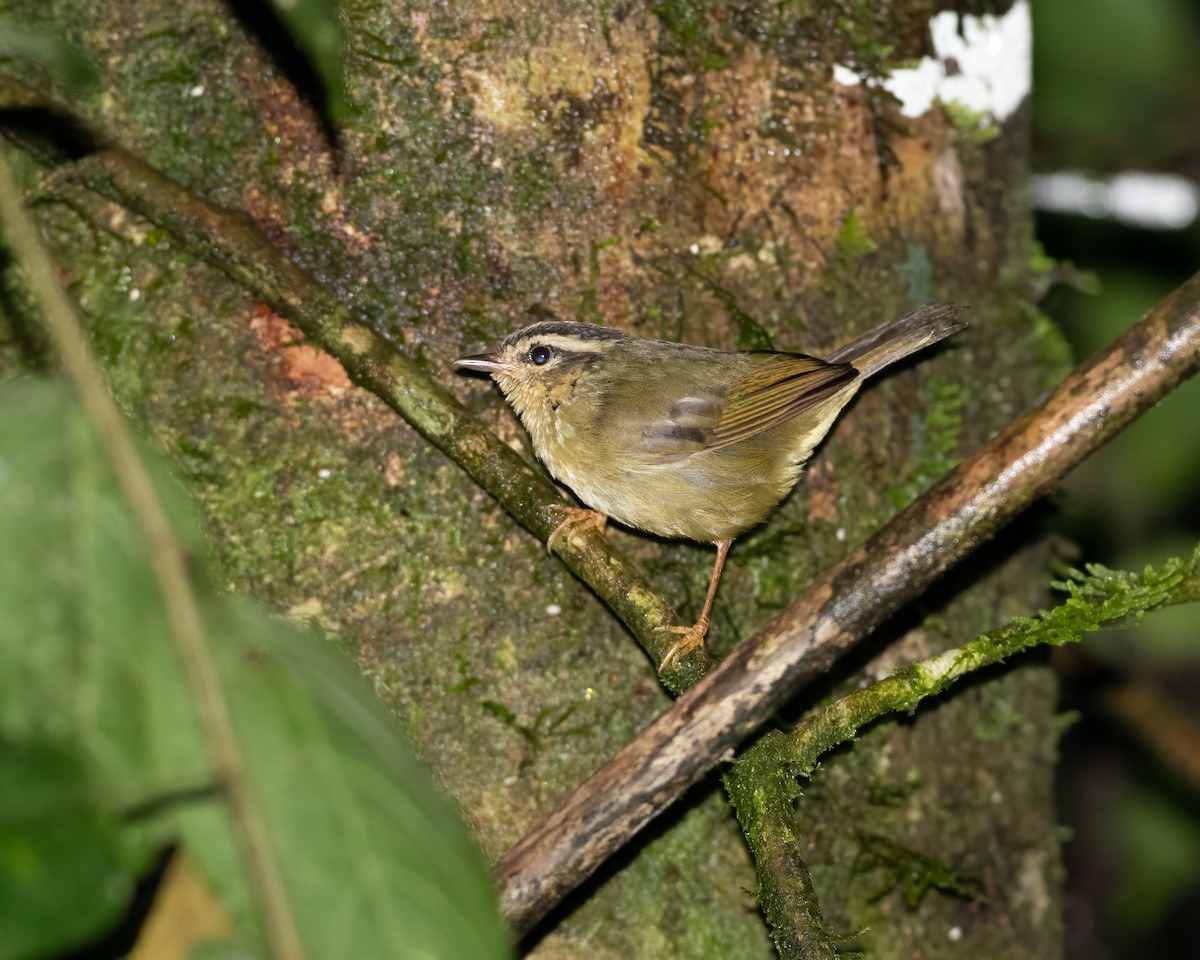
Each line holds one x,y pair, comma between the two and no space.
535,179
589,301
505,658
974,126
1056,355
864,28
937,435
914,873
852,238
751,335
685,20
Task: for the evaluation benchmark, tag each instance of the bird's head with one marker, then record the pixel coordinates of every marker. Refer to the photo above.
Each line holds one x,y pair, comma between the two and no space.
536,367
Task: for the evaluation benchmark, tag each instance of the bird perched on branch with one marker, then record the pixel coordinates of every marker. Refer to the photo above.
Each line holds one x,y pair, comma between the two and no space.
685,441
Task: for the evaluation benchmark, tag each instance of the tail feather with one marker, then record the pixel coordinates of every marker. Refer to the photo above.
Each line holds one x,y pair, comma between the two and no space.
894,341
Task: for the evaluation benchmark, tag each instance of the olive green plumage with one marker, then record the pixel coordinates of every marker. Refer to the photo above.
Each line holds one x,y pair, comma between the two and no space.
685,441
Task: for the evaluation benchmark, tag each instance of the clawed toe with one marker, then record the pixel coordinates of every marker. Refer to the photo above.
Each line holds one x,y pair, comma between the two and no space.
690,638
576,517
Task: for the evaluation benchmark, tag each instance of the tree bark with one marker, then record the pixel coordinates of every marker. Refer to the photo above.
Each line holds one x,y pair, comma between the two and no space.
673,169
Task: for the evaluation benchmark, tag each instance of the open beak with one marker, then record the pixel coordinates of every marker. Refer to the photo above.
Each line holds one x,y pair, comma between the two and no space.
487,363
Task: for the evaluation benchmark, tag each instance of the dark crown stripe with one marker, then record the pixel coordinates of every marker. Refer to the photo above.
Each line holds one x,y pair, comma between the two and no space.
565,328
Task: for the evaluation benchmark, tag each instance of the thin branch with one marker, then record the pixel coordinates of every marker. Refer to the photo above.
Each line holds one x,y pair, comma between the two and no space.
230,241
167,558
897,564
762,782
762,793
1099,598
1166,731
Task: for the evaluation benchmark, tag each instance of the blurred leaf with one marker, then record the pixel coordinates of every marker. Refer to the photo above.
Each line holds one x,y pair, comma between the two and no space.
316,29
85,654
1159,849
1106,75
65,62
63,877
220,950
374,860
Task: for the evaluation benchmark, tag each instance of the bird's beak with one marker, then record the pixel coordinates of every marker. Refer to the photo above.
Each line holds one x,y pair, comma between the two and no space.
480,363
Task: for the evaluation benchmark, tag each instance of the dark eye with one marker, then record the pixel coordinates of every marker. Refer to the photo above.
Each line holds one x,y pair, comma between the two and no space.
539,354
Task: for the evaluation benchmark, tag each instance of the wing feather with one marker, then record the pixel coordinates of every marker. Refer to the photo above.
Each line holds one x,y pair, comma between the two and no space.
783,386
779,387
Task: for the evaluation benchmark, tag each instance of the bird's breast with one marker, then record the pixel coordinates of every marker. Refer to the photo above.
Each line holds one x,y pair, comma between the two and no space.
708,496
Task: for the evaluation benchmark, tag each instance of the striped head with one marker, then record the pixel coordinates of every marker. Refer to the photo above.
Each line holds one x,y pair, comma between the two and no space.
536,367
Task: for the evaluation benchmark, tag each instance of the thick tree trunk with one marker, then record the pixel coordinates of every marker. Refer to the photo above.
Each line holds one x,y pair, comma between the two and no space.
673,169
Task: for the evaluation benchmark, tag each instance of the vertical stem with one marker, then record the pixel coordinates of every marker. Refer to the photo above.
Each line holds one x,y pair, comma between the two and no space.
183,615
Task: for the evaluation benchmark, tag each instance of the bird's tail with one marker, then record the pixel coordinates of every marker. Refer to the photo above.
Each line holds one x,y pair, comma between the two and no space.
894,341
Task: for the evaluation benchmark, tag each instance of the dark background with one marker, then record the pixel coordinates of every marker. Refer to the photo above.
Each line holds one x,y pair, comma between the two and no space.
1117,88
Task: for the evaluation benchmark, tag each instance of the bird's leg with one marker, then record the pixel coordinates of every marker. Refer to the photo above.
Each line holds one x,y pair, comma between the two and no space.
576,517
693,636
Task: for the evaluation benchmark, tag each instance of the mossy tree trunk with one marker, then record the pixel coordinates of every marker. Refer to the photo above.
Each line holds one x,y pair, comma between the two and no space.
675,169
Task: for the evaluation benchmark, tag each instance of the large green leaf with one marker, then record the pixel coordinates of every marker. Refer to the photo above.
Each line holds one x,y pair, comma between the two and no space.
374,861
63,877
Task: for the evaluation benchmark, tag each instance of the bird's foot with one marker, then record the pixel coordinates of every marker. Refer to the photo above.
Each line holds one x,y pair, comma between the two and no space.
576,518
690,638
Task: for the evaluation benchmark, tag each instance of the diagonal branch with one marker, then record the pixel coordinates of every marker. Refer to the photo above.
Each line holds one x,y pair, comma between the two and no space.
967,507
762,781
230,241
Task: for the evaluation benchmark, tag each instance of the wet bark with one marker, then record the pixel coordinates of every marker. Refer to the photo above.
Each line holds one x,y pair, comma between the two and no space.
670,169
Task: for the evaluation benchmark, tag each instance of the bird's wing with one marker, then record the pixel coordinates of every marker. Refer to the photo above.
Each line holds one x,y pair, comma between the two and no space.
776,388
781,387
685,430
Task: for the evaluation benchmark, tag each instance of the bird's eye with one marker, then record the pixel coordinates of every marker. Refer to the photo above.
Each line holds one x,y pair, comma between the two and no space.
539,354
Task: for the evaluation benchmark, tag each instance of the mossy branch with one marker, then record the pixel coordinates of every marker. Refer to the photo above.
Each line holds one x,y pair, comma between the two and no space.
762,782
1096,598
967,507
232,242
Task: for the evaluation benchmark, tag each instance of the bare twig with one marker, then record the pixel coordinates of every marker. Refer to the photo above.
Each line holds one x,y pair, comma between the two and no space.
1161,726
167,558
897,564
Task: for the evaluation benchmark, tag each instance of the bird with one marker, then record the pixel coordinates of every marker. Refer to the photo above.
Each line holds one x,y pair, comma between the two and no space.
683,441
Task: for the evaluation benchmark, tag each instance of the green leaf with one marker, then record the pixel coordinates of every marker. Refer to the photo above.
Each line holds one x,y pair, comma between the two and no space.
85,654
223,950
375,863
63,877
852,238
316,29
65,62
373,857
